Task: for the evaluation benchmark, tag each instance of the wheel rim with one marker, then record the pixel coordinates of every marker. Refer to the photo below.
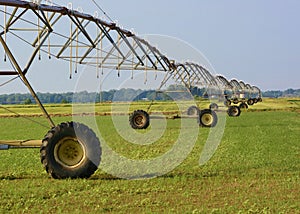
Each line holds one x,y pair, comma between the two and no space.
234,111
207,119
139,120
193,111
243,106
69,152
214,106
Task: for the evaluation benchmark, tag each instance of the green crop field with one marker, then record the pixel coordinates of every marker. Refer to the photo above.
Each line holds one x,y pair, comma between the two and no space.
256,168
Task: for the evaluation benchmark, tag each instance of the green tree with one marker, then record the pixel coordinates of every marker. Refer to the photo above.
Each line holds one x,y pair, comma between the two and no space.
64,101
28,101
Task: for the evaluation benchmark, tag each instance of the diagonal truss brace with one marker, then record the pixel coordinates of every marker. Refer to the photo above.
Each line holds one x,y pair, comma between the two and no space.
24,79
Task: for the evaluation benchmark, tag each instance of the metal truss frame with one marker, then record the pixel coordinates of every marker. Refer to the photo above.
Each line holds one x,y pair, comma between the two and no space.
83,39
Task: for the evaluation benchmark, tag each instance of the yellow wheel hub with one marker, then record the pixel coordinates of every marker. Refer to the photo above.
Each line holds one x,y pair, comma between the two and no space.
207,119
234,111
69,152
139,120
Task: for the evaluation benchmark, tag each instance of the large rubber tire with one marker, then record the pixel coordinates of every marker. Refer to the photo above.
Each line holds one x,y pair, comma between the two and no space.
208,118
259,99
70,150
234,111
243,106
250,102
214,106
227,103
193,111
139,119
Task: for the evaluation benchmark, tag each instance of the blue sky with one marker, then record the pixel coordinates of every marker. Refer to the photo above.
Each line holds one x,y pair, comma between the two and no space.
257,41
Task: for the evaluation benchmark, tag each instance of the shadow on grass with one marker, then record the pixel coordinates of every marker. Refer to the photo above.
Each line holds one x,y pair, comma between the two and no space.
171,175
191,175
20,177
104,177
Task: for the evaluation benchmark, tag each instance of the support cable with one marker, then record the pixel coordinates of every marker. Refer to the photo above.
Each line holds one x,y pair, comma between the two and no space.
22,116
98,6
8,81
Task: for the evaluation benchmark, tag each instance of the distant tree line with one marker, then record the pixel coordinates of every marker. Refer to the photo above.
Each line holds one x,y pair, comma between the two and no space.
176,92
286,93
104,96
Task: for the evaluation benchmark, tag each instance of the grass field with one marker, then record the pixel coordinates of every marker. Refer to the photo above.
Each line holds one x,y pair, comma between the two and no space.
256,169
268,104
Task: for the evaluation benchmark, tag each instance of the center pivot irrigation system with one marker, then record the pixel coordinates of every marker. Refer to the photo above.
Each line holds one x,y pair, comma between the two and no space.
71,149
